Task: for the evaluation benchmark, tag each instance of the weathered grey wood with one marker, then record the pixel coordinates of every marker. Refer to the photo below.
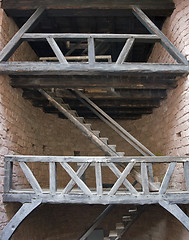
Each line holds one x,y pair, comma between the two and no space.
138,178
76,179
13,44
121,179
89,134
176,212
96,223
49,68
79,173
144,175
125,51
101,159
124,198
53,177
21,214
126,183
91,50
186,174
113,124
173,51
8,176
57,50
167,178
98,174
43,36
30,177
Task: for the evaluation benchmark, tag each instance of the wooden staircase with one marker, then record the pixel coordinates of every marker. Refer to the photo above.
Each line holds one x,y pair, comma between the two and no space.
125,224
86,128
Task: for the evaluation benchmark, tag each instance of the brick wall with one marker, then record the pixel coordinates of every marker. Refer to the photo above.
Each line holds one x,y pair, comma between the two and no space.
27,130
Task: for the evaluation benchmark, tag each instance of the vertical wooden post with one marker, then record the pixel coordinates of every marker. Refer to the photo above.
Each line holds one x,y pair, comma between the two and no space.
53,177
186,174
8,176
98,172
91,50
144,175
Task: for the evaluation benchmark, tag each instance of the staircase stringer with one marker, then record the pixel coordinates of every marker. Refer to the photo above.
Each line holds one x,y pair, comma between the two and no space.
89,134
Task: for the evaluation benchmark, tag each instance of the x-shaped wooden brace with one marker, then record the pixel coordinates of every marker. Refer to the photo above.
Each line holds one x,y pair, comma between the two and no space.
76,178
121,178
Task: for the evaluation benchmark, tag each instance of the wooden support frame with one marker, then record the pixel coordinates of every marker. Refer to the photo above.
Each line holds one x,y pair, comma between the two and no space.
173,51
22,213
13,44
176,212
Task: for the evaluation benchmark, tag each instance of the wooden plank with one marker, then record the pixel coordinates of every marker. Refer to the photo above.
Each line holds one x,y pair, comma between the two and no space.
96,223
85,4
101,159
91,50
176,212
57,50
30,177
21,214
186,174
129,69
121,179
126,183
13,44
79,173
53,177
80,36
144,176
173,51
125,51
167,178
77,58
76,179
8,176
98,174
177,197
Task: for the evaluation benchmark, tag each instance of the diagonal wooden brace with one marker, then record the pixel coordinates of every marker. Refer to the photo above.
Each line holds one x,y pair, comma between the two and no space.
15,42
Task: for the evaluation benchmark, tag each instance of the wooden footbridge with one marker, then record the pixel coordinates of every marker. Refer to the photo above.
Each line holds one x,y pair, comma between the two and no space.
91,72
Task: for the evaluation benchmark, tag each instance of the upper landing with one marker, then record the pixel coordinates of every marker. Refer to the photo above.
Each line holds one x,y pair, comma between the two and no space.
93,44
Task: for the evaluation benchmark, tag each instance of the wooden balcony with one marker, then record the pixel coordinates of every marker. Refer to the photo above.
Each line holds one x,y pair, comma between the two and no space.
120,190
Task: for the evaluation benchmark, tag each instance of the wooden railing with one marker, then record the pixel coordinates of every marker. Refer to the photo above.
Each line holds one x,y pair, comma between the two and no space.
121,191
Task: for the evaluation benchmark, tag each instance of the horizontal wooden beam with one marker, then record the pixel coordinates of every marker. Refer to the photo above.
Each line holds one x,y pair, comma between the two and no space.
102,159
129,69
179,198
138,82
99,36
109,110
85,4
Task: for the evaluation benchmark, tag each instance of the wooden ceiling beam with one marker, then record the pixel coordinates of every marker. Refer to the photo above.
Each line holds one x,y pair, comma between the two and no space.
140,82
126,69
85,4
